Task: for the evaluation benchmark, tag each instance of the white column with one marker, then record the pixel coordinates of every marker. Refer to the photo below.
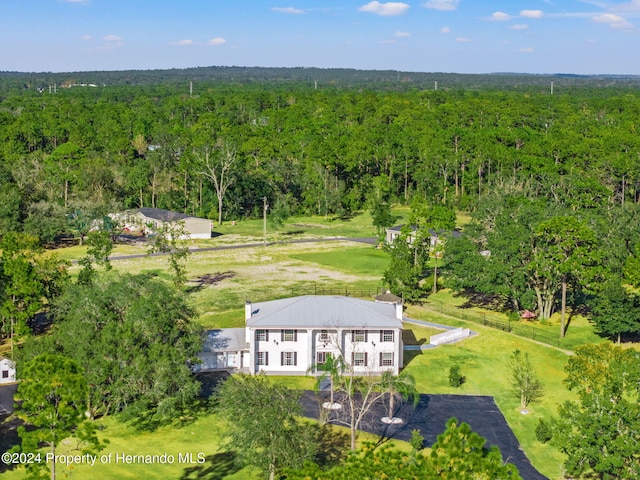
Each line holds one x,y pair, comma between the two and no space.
310,347
251,338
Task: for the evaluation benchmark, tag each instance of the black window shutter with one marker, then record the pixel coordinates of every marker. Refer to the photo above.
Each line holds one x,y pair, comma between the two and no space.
365,339
295,335
381,336
380,358
365,359
266,358
282,335
353,358
281,358
295,358
266,335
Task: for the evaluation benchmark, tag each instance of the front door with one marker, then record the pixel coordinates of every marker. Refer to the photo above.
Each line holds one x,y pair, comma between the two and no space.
232,360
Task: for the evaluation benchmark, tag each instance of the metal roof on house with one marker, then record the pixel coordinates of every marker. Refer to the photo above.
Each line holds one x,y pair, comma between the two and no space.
388,297
319,311
225,339
162,214
454,233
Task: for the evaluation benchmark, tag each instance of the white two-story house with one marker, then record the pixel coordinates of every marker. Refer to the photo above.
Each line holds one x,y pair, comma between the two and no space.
291,336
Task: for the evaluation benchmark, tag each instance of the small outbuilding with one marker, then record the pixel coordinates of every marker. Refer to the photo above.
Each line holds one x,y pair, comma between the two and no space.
7,371
434,237
149,219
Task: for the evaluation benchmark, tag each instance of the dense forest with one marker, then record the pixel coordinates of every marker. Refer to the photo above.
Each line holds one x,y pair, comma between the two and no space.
517,155
316,150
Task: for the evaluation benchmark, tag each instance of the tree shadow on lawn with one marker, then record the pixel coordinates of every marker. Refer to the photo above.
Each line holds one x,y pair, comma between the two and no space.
200,282
484,300
332,445
8,438
215,467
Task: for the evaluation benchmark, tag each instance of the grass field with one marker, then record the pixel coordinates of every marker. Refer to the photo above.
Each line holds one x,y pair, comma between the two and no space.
578,330
220,282
484,362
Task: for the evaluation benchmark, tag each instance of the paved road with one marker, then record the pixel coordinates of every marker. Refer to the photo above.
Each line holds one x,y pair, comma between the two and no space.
368,241
430,417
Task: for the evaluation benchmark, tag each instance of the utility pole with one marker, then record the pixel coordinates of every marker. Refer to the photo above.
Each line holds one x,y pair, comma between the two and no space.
264,221
191,89
551,88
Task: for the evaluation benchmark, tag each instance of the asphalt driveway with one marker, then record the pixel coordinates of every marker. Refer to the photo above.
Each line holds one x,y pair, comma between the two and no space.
430,417
6,398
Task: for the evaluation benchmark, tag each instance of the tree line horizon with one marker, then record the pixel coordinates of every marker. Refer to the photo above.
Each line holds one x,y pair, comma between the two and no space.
515,159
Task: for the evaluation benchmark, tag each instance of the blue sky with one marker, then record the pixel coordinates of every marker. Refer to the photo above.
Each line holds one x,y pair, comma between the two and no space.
462,36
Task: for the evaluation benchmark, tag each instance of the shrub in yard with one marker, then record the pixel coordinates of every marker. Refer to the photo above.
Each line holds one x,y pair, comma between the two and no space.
543,431
455,377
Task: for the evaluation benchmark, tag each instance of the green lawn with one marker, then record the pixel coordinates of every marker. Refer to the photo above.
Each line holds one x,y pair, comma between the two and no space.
221,281
204,437
577,332
417,335
360,225
484,362
359,261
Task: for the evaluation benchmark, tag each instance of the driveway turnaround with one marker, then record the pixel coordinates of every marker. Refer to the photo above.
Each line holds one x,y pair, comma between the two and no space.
430,416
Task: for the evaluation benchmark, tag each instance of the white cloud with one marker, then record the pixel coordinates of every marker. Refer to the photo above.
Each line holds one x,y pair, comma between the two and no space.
183,43
290,10
388,9
462,40
112,38
532,13
500,17
526,50
632,6
519,26
445,30
214,42
441,4
86,38
387,42
403,34
614,21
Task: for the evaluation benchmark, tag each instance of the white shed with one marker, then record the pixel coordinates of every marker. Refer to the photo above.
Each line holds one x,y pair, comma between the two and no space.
7,371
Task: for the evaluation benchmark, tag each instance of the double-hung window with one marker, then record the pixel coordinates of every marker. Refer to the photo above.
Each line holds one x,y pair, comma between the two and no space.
262,335
386,359
289,359
359,359
262,358
359,335
386,335
288,335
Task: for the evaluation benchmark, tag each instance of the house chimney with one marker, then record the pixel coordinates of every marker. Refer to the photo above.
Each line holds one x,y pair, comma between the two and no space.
398,306
247,310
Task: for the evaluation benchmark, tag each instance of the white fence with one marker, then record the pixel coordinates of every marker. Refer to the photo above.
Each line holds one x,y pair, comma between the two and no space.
450,336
